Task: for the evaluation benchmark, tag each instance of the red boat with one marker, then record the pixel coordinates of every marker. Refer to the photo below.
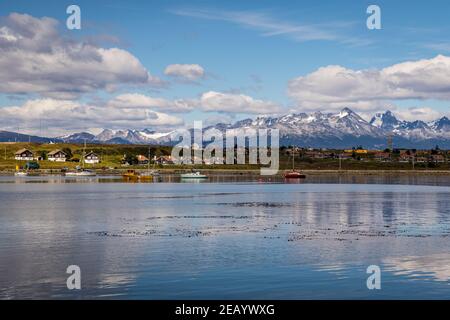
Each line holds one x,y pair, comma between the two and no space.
294,175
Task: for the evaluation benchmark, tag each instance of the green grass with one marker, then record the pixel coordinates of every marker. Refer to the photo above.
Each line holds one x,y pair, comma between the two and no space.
112,155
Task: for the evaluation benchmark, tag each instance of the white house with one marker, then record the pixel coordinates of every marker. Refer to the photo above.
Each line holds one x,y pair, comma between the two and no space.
24,155
57,156
91,158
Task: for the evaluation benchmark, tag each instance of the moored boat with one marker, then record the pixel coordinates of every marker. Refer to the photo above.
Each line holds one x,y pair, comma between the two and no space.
135,176
193,175
21,174
294,174
81,173
131,175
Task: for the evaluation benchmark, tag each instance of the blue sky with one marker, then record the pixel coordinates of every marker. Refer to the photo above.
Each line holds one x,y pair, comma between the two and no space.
255,49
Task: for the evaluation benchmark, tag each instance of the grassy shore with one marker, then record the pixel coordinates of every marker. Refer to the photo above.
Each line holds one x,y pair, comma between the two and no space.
111,156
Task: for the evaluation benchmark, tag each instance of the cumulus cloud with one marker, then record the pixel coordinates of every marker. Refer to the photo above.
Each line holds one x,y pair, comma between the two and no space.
418,113
210,101
139,101
68,115
334,86
186,72
36,58
236,103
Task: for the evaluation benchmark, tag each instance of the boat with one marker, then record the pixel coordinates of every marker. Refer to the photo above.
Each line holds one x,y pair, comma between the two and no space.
294,174
81,171
131,175
149,175
21,174
135,176
193,175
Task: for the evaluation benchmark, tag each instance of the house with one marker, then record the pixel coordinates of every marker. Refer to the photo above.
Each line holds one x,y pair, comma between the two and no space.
142,159
57,156
314,155
405,158
164,160
383,156
91,158
421,159
24,155
357,151
344,156
213,160
438,158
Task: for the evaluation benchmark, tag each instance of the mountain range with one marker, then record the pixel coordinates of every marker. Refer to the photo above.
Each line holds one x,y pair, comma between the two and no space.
344,129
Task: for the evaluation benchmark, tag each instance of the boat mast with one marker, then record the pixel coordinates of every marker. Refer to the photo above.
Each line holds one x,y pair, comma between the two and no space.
84,154
293,155
148,162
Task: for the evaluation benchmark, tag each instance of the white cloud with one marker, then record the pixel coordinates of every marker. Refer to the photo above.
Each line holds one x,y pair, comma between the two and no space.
136,100
334,86
418,113
188,72
35,58
210,101
67,115
236,103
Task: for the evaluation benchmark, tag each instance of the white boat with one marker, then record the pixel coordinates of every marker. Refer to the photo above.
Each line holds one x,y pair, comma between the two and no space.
21,174
81,173
193,175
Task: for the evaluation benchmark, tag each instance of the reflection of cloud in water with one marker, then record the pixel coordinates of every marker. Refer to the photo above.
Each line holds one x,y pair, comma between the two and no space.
436,265
115,280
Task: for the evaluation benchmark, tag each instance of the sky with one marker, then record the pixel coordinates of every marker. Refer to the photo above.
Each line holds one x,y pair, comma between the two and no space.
163,64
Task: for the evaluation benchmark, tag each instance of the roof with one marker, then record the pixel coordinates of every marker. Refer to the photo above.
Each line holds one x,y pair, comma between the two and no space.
22,151
142,158
55,152
91,153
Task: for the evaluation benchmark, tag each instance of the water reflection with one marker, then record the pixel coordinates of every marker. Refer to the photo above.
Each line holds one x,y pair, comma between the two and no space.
247,240
435,266
405,179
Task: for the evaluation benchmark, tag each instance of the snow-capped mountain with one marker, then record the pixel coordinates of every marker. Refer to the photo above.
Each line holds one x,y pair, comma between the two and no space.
344,129
120,137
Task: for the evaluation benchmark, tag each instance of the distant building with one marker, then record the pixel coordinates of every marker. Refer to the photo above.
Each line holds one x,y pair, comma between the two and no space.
421,159
214,160
405,158
314,155
383,156
164,160
24,155
57,156
357,151
438,158
344,156
91,158
142,159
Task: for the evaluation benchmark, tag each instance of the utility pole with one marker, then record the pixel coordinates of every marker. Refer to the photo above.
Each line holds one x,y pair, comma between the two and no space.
390,142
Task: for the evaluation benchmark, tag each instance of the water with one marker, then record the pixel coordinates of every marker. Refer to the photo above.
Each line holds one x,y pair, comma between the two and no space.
247,239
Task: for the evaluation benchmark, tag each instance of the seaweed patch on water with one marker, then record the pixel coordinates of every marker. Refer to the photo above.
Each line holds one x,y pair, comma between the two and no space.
256,204
357,234
200,217
182,196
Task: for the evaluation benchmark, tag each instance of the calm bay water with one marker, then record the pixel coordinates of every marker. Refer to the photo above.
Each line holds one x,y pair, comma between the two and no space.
226,240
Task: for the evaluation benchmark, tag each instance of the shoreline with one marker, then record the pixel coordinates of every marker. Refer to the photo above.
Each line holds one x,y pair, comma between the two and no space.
251,172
